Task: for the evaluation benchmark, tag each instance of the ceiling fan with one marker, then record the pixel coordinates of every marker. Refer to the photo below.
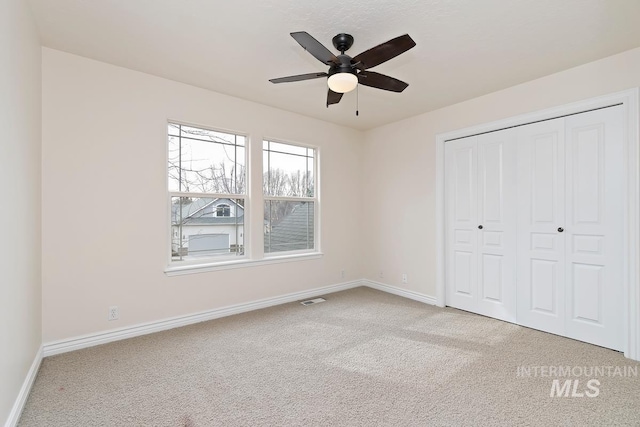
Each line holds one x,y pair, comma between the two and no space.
345,72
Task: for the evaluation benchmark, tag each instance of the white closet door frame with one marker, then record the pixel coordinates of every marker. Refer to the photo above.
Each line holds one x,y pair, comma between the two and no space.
630,101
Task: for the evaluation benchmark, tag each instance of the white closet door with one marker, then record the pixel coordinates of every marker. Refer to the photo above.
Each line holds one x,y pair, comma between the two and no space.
496,291
534,225
594,227
541,251
481,225
461,232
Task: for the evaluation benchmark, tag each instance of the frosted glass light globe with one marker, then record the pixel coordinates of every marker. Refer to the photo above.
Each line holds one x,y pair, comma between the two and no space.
342,82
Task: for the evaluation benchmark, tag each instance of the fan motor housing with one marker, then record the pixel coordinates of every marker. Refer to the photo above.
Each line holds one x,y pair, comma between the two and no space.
343,42
345,66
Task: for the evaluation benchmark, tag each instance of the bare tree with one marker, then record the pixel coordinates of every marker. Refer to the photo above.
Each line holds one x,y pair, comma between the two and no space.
275,183
188,173
301,184
278,183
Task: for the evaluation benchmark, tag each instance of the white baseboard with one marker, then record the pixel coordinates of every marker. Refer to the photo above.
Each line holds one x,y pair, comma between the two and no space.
18,406
91,340
400,292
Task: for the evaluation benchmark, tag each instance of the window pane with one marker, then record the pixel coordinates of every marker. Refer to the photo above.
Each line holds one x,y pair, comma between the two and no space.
287,148
289,226
174,129
174,164
198,231
288,174
211,135
213,162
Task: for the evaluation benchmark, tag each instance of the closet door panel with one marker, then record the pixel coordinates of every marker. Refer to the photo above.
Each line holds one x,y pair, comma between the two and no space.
496,214
540,258
594,205
461,222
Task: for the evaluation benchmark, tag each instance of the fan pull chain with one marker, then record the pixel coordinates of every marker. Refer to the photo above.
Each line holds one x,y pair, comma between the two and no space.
357,99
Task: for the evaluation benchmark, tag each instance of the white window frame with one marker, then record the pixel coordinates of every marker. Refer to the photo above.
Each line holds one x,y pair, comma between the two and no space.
315,200
212,261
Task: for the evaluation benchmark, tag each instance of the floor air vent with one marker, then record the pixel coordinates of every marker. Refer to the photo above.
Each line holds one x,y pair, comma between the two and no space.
312,301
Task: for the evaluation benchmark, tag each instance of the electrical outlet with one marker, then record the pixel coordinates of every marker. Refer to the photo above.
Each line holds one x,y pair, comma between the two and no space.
405,279
113,313
343,274
381,275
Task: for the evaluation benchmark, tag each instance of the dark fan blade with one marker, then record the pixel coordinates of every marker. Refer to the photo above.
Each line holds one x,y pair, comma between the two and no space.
380,81
315,48
333,97
384,52
298,78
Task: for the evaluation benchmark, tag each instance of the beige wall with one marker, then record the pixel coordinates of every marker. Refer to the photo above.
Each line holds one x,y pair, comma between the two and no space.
399,164
20,291
103,138
105,203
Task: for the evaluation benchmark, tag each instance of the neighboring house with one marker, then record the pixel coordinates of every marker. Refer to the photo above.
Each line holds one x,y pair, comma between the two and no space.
294,232
207,226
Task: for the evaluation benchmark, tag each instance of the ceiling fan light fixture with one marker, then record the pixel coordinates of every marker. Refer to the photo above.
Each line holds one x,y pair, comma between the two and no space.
346,73
342,82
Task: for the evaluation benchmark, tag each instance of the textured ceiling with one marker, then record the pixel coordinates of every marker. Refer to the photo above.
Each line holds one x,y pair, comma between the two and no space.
465,48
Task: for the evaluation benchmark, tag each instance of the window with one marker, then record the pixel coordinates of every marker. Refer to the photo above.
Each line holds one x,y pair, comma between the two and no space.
207,188
290,201
223,210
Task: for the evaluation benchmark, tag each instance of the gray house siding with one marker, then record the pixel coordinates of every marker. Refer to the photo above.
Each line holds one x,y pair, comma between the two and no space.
295,231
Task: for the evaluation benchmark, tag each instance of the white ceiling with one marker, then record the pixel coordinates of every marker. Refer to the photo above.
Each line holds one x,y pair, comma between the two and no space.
465,48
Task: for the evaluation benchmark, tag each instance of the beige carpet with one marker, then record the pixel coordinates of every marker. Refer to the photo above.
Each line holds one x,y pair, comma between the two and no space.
363,358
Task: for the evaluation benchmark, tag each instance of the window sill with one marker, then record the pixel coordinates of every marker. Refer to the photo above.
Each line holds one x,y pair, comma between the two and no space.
244,263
